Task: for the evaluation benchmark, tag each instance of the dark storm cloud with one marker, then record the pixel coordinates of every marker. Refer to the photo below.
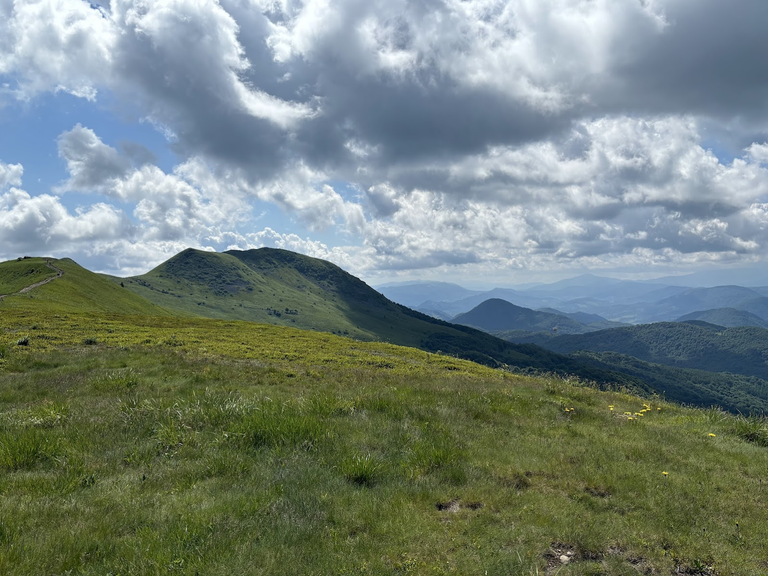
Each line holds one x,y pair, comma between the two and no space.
709,59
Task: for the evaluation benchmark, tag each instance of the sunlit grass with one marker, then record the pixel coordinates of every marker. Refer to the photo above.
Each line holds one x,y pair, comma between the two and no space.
187,446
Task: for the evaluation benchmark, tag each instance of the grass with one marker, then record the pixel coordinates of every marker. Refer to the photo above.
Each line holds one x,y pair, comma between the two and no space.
18,274
189,446
78,289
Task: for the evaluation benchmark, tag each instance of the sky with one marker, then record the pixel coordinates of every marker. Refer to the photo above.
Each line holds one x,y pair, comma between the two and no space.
461,140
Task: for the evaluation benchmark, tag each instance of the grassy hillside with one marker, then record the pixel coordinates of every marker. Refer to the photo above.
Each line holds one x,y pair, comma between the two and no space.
78,290
273,287
497,315
193,446
284,288
733,392
18,274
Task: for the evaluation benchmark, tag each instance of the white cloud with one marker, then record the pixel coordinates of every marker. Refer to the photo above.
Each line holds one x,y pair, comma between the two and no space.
350,258
92,165
303,192
10,175
476,134
55,45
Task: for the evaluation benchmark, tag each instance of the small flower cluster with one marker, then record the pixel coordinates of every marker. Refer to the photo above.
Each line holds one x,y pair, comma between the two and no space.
633,416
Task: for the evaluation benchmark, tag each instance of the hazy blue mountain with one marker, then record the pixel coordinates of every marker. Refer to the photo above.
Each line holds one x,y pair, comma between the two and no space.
602,289
593,321
697,299
413,294
728,317
748,277
517,297
616,301
495,314
582,281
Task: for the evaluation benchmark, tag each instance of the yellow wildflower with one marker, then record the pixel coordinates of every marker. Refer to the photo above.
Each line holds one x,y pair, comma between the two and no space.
711,435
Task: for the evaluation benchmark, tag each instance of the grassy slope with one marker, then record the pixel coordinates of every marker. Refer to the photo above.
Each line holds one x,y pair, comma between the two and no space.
18,274
285,288
734,391
82,290
213,285
191,446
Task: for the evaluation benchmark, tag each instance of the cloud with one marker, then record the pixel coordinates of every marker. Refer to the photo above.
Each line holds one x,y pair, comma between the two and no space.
157,215
610,187
452,133
10,175
52,45
42,225
90,163
350,259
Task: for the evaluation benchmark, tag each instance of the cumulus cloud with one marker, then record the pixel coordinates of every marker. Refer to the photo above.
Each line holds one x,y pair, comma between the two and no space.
42,225
348,258
55,45
10,175
463,133
609,187
165,212
90,163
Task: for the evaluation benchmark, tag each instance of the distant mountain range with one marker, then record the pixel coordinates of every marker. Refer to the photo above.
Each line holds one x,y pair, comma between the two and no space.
622,301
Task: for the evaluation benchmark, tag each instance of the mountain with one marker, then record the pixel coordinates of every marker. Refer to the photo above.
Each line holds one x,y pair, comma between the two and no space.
519,298
17,274
697,345
290,289
581,281
742,276
496,315
413,294
280,287
697,299
592,321
728,317
69,287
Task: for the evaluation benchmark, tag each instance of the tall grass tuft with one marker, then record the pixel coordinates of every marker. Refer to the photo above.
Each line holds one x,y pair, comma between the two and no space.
753,429
23,449
274,425
361,469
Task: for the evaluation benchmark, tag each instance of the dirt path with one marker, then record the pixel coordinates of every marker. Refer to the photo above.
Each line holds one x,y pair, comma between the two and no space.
59,274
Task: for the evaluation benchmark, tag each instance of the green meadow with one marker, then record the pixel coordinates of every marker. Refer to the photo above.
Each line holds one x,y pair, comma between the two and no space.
140,444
